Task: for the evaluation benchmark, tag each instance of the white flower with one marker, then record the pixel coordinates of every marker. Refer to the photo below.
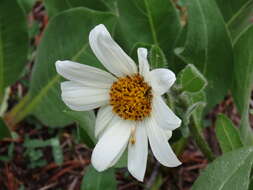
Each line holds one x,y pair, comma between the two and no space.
131,109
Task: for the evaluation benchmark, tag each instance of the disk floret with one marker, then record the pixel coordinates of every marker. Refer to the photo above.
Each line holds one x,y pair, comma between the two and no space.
131,98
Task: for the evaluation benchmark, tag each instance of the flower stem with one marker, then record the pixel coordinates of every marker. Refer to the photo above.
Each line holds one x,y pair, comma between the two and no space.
17,113
246,131
196,132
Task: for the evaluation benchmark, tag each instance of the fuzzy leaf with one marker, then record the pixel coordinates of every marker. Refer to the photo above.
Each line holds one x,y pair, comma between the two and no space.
228,172
13,43
228,136
54,7
149,21
86,126
203,48
44,100
191,79
94,180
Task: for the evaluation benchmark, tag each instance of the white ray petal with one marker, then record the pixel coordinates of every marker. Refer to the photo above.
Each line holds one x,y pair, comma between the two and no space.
84,74
163,115
162,80
159,145
116,159
83,98
111,144
168,134
138,153
143,63
110,53
104,117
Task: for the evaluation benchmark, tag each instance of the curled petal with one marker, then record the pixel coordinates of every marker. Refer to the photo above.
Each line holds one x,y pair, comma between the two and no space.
164,116
162,80
160,146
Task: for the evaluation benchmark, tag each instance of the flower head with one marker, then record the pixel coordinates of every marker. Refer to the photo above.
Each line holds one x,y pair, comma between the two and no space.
131,110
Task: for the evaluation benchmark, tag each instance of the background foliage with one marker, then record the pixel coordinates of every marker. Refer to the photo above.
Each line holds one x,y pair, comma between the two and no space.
207,43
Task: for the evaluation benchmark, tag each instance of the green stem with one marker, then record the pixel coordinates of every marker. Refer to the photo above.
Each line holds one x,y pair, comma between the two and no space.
246,131
18,112
196,132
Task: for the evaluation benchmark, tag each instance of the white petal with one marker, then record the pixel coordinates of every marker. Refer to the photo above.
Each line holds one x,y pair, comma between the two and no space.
84,74
104,116
162,80
111,144
163,115
110,53
168,134
143,63
138,153
83,98
116,159
160,146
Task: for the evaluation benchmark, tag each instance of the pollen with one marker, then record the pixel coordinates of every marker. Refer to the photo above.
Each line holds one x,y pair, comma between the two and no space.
131,98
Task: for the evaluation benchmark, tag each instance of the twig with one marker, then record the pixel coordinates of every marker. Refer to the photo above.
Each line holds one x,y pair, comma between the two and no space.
48,186
73,184
127,186
66,170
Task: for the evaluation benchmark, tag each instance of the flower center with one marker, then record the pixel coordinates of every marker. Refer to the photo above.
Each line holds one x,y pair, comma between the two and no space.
131,98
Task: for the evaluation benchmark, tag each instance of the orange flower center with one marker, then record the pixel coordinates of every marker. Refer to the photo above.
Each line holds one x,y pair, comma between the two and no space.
131,98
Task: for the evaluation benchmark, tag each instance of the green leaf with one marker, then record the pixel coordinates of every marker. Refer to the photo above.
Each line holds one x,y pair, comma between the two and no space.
241,20
158,183
243,80
203,48
157,58
230,8
195,103
228,172
198,112
27,4
9,156
133,51
57,150
4,131
94,180
191,79
32,144
122,162
191,110
44,100
228,136
86,126
149,21
13,43
35,143
54,7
